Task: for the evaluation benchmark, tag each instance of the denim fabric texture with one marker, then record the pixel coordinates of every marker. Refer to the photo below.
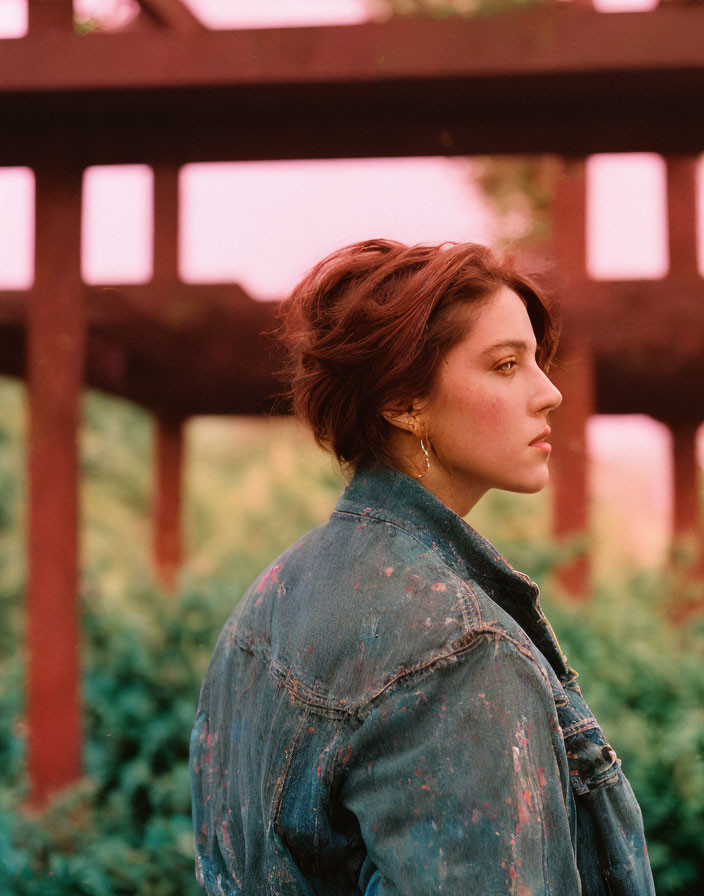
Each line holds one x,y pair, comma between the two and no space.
388,711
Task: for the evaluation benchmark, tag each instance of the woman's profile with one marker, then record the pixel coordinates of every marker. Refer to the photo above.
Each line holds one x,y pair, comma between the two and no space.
388,711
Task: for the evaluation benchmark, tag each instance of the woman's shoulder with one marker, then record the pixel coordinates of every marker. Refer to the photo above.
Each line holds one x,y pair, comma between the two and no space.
354,603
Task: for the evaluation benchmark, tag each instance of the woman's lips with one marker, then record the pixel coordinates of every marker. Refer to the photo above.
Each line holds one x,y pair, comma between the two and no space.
539,441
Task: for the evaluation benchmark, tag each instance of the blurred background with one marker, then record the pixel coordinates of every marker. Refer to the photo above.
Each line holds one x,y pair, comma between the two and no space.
160,192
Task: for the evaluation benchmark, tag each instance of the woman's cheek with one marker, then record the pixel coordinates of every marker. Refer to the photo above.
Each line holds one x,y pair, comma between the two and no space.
488,410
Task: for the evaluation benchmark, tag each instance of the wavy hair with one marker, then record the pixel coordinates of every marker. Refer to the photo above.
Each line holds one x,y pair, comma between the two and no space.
367,327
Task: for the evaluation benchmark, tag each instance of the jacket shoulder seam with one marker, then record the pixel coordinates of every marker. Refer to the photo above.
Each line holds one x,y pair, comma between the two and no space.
322,704
485,632
466,587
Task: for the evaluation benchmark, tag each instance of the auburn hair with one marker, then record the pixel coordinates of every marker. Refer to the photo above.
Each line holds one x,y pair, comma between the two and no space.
367,327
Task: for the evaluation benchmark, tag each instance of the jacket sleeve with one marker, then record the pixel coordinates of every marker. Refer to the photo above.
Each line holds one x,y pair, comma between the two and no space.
457,782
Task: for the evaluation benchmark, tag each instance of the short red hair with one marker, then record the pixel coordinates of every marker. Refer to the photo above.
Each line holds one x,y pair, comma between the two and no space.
367,327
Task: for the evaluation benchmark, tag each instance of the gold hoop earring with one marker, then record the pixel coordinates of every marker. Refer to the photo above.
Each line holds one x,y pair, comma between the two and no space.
427,460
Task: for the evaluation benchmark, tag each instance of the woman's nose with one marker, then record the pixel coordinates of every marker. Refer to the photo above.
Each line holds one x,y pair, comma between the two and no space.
549,396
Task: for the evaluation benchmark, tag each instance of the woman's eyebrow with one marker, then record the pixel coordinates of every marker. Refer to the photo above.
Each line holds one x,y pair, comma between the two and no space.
517,344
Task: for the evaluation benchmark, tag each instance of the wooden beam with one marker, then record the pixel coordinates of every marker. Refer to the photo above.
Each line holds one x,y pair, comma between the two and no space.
574,376
55,359
569,460
687,551
521,44
560,80
185,353
569,237
46,16
204,350
648,343
682,215
166,229
185,350
168,541
687,513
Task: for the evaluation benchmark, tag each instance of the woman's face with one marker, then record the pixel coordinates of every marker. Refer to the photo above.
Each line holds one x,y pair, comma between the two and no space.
487,416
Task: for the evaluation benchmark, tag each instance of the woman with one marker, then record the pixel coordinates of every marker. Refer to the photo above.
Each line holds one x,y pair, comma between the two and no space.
388,710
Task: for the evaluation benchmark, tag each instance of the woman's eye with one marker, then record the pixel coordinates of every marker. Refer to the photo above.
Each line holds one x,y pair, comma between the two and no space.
506,366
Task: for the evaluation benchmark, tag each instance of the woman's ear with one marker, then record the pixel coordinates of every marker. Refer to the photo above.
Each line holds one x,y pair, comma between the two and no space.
404,419
401,419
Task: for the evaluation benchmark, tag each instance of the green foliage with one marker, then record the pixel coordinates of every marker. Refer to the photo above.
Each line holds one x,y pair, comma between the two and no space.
12,490
116,454
644,680
520,190
253,487
442,9
126,828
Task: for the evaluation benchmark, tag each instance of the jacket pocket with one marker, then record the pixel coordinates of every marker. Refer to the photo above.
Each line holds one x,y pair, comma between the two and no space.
592,761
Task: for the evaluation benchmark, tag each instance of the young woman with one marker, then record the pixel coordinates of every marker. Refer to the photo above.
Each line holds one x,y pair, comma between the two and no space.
388,710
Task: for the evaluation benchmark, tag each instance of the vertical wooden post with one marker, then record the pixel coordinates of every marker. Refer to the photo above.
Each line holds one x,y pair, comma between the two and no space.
168,547
682,229
574,376
169,440
687,517
46,15
682,215
166,228
569,460
55,362
570,221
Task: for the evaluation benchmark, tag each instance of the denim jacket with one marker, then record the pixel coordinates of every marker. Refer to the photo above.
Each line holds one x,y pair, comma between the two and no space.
388,711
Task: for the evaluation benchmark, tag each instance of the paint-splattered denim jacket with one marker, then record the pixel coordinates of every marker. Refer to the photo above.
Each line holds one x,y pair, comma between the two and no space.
388,711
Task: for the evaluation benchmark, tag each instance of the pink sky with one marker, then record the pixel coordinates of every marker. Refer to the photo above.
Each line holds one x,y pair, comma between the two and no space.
263,224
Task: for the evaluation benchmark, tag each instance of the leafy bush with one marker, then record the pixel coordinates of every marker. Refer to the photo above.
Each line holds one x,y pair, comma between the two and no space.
126,828
644,680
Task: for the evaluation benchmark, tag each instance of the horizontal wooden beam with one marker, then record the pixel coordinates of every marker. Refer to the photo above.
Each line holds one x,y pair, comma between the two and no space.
647,339
205,351
560,79
635,318
562,39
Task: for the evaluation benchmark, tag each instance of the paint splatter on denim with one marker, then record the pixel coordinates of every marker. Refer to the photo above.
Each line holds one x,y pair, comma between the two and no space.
388,711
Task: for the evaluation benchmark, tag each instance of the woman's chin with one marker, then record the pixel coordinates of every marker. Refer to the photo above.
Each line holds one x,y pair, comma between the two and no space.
532,484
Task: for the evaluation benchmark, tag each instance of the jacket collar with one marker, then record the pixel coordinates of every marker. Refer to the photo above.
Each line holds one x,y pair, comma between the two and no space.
380,492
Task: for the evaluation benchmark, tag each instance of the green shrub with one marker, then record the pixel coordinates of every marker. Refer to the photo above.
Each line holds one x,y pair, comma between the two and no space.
126,828
644,680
